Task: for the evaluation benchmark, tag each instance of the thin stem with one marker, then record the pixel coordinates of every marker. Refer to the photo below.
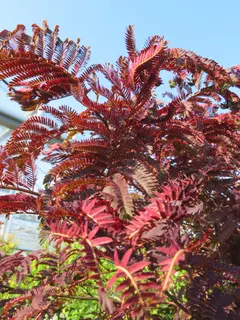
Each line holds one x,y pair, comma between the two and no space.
20,190
77,297
39,316
175,259
176,302
102,119
86,290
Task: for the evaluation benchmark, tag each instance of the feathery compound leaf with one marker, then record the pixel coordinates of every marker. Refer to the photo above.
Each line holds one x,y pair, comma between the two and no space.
118,191
98,215
17,203
65,232
146,57
28,140
131,42
145,179
42,66
134,292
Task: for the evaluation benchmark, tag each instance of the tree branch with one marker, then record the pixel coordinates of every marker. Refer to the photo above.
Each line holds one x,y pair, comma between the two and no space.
77,297
20,190
176,302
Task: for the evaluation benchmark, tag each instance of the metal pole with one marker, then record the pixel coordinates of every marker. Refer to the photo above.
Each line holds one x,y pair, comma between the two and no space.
7,225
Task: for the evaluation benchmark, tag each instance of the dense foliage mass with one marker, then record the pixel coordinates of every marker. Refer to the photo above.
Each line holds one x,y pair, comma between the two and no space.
142,215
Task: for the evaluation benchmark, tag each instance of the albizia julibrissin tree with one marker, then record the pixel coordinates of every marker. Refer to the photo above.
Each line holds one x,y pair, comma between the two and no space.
153,188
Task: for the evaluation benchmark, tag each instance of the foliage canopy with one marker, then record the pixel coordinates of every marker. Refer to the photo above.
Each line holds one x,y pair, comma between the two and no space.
151,193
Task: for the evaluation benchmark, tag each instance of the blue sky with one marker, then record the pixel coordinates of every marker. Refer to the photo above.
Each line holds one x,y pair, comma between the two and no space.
208,27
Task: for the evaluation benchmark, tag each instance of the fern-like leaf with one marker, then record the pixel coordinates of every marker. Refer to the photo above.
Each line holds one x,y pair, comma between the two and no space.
117,189
43,67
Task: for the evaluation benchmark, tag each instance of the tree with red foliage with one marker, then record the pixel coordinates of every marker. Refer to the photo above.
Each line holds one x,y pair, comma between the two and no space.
154,189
